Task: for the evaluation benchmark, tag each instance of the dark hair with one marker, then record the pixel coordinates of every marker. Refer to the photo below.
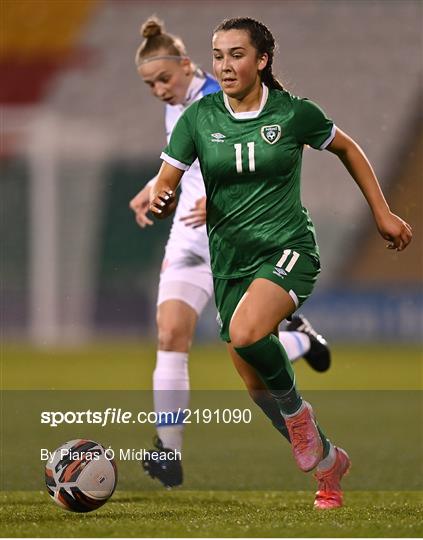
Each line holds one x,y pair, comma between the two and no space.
262,40
153,30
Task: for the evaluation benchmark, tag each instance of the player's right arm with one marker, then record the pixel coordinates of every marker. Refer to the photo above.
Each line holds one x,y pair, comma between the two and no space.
163,193
177,158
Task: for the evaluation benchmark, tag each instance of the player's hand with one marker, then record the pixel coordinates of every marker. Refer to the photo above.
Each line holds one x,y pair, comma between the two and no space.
395,230
140,205
197,216
163,203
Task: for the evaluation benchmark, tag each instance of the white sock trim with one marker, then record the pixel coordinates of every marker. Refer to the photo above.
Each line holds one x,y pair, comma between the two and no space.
300,409
328,462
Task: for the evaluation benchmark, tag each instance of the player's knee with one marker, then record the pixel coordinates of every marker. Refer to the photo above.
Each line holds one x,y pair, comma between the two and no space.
242,335
173,337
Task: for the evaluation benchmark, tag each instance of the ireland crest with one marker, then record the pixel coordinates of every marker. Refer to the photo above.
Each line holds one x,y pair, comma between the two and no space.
271,134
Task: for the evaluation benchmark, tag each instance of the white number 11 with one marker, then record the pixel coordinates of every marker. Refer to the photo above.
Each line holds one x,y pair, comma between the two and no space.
238,157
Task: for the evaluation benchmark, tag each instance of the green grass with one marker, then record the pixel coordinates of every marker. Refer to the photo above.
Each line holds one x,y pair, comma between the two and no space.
384,455
217,514
126,366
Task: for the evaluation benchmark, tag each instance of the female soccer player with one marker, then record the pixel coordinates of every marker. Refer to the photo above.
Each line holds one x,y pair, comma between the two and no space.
186,280
249,140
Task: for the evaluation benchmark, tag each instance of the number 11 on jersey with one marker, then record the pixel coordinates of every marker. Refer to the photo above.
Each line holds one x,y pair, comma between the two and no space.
238,157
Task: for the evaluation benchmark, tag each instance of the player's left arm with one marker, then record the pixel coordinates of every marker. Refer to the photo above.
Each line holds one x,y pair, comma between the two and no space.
390,226
163,192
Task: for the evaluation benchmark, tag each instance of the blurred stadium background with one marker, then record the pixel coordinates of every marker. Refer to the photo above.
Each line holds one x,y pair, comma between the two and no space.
81,135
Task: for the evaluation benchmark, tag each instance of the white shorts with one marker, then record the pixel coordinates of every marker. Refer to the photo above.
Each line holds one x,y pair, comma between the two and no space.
185,276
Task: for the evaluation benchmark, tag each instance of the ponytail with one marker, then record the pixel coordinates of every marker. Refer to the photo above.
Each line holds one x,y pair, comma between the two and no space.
156,38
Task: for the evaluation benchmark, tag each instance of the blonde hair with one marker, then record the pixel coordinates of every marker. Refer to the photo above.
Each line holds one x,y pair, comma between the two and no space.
156,38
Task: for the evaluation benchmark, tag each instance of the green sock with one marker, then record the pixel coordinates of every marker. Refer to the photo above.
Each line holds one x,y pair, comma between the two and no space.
325,441
270,408
269,359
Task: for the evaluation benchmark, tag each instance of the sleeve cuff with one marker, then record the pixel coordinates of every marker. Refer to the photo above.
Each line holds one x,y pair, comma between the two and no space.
329,139
174,162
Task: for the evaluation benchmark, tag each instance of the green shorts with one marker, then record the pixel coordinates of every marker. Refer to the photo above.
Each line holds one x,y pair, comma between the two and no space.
296,272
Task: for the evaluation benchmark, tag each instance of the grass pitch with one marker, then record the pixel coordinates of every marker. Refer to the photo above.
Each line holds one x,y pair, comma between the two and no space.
150,511
129,366
217,514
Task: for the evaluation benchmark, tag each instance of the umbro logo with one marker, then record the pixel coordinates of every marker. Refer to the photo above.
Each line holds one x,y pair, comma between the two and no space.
279,272
218,137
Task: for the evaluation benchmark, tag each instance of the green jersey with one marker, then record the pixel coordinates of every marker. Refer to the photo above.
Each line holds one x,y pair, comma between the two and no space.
251,166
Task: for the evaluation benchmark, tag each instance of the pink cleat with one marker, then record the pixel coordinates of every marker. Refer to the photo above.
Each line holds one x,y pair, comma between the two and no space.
329,494
306,443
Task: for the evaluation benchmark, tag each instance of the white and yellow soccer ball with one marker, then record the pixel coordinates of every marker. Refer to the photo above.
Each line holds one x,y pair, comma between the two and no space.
80,475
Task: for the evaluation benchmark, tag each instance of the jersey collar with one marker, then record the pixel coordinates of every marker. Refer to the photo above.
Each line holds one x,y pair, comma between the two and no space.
248,114
195,87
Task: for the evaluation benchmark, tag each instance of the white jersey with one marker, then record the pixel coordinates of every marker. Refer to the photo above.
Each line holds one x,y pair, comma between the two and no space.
181,236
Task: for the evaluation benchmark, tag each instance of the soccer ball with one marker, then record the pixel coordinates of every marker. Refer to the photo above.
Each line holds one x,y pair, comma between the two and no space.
79,476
